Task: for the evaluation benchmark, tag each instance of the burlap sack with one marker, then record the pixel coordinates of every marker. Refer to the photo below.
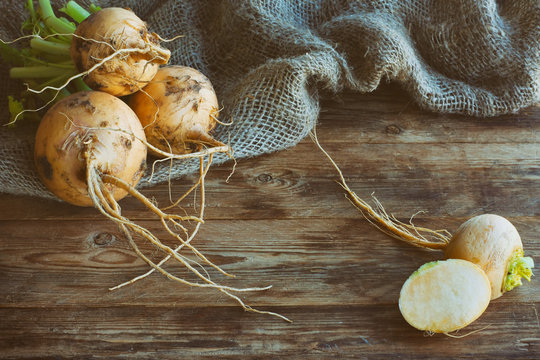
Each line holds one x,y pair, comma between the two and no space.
270,59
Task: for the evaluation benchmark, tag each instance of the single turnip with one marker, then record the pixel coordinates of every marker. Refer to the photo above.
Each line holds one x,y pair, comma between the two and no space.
133,53
178,109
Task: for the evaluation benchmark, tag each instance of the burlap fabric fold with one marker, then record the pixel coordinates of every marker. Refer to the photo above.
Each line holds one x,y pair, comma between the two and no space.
270,59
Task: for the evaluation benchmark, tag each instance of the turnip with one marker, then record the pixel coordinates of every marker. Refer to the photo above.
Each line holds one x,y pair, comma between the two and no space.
489,241
90,146
178,109
493,243
444,296
78,142
119,35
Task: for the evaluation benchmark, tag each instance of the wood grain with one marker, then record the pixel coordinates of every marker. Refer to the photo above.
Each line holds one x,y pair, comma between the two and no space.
282,220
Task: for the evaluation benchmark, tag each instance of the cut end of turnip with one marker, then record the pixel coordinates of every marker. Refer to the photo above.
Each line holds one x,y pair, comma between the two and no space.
444,296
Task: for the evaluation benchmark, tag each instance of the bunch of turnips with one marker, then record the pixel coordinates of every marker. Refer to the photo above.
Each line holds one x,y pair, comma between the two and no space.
110,98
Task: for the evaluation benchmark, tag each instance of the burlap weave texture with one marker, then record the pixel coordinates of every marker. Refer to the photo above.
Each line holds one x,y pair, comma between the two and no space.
269,60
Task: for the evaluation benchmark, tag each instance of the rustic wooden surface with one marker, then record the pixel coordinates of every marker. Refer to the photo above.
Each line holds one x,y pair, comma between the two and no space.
283,220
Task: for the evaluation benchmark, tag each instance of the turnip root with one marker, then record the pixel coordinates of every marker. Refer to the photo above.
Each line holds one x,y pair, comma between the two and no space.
178,109
119,32
444,296
493,243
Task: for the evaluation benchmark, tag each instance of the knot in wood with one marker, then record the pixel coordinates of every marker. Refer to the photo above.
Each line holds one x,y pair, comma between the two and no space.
265,178
393,130
103,239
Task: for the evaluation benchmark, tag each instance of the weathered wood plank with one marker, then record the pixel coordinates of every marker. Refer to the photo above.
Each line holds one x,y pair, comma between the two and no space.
308,262
322,332
282,220
499,178
388,116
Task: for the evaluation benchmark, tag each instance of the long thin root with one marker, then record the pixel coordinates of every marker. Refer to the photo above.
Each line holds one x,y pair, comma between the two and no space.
388,224
163,217
99,190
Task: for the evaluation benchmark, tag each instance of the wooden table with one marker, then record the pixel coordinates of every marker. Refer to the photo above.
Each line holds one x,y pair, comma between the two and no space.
283,220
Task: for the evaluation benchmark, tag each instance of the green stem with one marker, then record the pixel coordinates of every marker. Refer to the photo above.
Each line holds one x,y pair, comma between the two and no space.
94,8
50,47
54,61
56,81
75,11
30,7
58,39
42,58
50,19
32,72
81,85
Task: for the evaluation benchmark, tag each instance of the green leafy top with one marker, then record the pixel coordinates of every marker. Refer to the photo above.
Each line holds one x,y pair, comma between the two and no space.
518,267
45,60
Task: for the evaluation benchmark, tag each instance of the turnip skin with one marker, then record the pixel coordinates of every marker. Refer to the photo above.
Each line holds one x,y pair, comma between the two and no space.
116,29
444,296
178,109
491,242
68,140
